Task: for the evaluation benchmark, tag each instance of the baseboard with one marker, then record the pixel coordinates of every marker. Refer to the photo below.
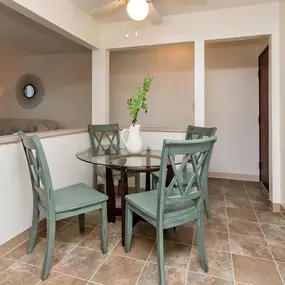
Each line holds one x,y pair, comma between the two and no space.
276,207
234,176
221,175
18,239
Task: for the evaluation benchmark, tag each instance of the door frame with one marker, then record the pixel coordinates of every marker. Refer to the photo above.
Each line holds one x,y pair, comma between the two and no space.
266,49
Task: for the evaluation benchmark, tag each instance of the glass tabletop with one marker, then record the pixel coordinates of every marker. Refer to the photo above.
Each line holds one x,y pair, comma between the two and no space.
122,158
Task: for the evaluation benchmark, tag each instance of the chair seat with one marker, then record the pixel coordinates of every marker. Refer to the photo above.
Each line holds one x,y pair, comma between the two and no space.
76,196
101,172
146,202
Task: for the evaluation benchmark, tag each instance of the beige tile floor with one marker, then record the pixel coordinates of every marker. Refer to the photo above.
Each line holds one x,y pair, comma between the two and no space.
245,244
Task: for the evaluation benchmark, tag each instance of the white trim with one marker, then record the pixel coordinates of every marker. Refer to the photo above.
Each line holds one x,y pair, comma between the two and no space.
100,86
47,134
199,112
234,176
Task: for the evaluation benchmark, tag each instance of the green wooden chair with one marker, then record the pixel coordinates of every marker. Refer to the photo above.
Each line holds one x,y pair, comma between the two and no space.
193,132
60,204
178,203
106,138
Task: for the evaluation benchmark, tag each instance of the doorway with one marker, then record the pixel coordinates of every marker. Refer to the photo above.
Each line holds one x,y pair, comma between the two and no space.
263,74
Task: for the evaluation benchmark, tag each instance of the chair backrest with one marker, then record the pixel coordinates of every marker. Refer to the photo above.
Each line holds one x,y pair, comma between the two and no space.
197,153
39,170
104,138
194,132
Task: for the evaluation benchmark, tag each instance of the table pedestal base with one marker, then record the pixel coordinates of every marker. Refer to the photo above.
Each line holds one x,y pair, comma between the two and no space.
114,212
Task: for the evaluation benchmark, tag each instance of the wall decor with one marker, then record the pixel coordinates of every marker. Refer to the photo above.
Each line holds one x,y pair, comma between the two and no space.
30,91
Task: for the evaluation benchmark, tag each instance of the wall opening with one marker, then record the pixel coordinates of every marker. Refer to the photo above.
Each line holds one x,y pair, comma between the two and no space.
170,100
232,105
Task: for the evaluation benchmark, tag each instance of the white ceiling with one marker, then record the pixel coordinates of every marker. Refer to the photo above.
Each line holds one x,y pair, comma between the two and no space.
169,7
20,34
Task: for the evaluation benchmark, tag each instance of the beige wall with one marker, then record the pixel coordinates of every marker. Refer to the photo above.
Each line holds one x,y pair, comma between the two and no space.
171,97
68,87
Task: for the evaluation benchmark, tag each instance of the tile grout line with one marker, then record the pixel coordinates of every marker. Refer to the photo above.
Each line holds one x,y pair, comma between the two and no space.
52,269
128,257
75,245
29,239
43,240
267,243
72,276
273,259
211,275
93,228
17,261
60,273
268,246
107,255
219,251
281,211
233,272
7,267
189,260
14,248
139,277
73,248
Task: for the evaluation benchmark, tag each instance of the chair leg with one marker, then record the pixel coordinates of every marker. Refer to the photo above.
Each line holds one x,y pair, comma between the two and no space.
200,240
81,219
207,208
160,255
105,188
119,186
34,230
138,182
129,228
153,183
104,228
49,248
95,178
207,203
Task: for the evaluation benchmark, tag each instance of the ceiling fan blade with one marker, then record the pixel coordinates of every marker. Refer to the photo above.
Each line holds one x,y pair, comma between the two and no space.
153,15
108,9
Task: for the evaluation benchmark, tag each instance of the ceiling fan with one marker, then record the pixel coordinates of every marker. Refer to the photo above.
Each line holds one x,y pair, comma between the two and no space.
138,10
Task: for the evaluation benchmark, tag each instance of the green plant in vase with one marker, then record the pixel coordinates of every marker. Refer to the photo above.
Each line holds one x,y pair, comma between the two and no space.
138,102
135,104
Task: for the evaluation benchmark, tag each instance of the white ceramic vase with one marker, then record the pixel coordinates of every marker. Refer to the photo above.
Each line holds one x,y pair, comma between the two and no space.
134,144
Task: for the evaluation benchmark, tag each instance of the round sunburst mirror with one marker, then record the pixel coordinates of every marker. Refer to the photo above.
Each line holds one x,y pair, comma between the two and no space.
29,91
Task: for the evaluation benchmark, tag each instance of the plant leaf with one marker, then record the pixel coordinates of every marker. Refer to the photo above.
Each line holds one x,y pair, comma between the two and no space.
138,101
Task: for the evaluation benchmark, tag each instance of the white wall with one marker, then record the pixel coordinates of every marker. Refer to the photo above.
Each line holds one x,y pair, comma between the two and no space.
170,100
282,97
218,24
232,100
15,187
67,80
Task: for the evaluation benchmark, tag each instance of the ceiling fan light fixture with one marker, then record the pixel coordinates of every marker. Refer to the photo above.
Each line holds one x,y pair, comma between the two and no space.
138,9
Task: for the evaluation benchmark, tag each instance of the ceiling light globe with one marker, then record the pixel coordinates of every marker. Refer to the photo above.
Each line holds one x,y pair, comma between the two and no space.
138,9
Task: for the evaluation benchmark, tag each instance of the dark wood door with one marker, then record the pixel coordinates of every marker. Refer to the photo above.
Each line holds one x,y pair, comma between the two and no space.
264,117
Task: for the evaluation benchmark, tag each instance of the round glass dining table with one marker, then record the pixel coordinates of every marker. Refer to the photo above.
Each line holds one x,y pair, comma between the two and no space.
145,162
